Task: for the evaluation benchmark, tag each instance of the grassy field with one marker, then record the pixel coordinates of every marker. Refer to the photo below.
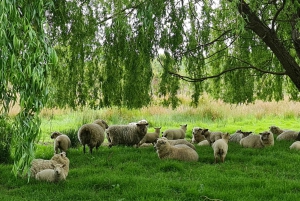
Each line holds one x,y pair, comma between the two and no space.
127,173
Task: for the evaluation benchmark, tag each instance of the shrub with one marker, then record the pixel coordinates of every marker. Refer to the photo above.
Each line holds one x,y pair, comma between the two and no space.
5,139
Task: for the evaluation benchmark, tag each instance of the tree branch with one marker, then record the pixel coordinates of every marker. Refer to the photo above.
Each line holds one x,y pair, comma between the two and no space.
277,13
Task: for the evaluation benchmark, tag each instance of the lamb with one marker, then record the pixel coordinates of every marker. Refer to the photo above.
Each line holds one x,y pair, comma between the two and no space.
178,152
262,140
61,142
197,137
288,135
238,135
220,147
92,134
52,175
129,135
151,137
38,165
210,136
173,134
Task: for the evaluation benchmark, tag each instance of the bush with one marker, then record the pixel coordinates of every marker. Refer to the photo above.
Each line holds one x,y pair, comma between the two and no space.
72,134
5,139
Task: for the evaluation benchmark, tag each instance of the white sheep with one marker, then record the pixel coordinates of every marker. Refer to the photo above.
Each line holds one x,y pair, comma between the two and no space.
173,134
220,147
129,135
288,135
151,137
179,141
295,145
238,135
61,142
262,140
92,134
38,165
52,175
197,137
203,143
211,136
179,152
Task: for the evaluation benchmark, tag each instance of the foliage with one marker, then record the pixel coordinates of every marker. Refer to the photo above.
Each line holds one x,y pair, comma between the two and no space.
5,139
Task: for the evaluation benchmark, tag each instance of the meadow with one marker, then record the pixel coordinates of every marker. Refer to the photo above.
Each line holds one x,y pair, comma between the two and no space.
128,173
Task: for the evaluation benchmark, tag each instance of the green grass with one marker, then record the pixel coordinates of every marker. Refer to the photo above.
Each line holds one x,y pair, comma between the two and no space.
127,173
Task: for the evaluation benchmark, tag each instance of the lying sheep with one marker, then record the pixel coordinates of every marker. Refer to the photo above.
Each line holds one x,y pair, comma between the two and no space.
288,135
238,135
276,130
220,147
126,134
197,137
203,143
295,145
173,134
264,139
52,175
210,136
179,152
38,165
92,134
179,141
61,142
151,137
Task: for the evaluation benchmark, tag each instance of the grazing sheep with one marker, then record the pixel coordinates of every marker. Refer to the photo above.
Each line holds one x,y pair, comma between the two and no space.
220,147
197,137
126,134
61,142
203,143
173,134
179,152
151,137
52,175
264,139
210,136
276,130
288,135
179,141
92,134
238,135
38,165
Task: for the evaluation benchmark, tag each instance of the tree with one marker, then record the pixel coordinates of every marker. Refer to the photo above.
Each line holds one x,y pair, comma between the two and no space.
25,60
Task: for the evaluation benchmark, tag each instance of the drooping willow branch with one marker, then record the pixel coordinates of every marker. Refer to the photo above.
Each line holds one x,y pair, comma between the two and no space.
189,79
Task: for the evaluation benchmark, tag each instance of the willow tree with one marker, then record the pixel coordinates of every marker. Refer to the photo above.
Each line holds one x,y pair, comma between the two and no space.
25,60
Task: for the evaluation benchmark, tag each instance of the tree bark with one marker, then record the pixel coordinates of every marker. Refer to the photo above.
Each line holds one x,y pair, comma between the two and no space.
272,41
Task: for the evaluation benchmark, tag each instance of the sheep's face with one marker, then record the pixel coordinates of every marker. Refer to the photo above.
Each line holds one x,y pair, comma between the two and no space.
54,135
157,130
245,134
275,129
265,135
142,128
226,136
205,132
161,143
58,168
197,137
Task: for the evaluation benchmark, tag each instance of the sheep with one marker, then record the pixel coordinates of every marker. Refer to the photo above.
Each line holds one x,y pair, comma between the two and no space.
220,147
92,134
288,135
276,130
61,142
40,164
203,143
129,135
173,134
262,140
151,137
52,175
197,137
295,145
210,136
238,135
181,152
179,141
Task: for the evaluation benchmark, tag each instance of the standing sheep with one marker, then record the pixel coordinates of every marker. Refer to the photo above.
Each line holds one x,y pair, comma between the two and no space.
52,175
238,135
173,134
262,140
61,142
197,137
288,135
92,134
126,134
151,137
38,165
210,136
220,147
179,152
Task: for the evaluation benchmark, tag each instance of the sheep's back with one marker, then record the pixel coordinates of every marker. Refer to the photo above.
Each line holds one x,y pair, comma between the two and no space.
288,135
124,134
181,141
173,134
252,141
91,134
295,145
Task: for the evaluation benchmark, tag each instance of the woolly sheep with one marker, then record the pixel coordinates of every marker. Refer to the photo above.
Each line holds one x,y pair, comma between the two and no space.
210,136
92,134
295,145
238,135
151,137
197,137
180,141
203,143
276,130
179,152
61,142
52,175
288,135
173,134
126,134
220,147
38,165
264,139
